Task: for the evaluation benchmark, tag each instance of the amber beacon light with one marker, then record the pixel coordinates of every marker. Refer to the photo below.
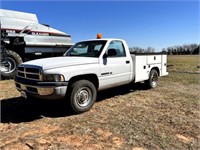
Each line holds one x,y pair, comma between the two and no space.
99,36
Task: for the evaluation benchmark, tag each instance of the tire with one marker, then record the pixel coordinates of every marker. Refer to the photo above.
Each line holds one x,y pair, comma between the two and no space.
152,82
13,60
82,96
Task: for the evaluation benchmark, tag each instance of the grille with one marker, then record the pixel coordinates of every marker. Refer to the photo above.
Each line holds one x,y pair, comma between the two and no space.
30,72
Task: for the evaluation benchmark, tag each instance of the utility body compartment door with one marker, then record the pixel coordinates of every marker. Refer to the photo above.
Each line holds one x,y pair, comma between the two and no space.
153,59
164,65
141,68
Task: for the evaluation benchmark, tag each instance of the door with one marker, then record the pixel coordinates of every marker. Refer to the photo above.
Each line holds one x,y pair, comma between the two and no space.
115,68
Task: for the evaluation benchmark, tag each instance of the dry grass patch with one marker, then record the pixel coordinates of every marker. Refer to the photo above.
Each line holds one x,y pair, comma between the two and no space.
8,89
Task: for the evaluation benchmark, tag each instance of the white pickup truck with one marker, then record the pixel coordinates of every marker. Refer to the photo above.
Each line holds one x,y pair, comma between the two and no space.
87,67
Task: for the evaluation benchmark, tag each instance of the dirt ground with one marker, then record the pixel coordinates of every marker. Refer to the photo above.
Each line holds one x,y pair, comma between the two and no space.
125,118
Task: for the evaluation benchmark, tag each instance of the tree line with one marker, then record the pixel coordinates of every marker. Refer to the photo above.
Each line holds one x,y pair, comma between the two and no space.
141,50
186,49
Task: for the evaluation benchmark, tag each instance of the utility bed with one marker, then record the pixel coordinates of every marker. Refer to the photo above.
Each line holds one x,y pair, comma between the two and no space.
143,62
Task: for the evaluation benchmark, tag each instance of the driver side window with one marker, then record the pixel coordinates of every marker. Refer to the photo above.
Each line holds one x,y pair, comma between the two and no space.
119,47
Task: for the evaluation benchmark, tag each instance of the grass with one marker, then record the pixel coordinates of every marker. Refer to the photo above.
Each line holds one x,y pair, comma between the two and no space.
128,117
184,63
184,78
184,69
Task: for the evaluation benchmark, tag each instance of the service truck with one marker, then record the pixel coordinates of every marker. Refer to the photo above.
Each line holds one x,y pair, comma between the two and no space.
23,38
86,68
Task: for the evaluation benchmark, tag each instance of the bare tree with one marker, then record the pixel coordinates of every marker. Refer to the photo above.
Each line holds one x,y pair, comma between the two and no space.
185,49
136,50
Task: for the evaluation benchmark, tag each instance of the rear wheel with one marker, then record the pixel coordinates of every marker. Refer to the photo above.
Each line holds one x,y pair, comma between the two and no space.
82,96
8,67
152,82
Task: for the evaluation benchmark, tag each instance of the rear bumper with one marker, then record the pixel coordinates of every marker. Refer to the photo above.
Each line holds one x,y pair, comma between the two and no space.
165,74
42,90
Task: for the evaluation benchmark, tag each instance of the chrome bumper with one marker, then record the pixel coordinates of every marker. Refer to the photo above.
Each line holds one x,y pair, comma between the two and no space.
43,90
35,90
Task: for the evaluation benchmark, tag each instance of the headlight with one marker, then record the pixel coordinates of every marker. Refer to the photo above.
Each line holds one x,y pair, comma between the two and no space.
53,77
59,78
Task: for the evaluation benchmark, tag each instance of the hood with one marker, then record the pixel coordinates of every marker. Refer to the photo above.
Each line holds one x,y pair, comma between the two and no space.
58,62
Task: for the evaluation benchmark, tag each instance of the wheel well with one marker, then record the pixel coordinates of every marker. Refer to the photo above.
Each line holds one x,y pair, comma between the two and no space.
157,69
90,77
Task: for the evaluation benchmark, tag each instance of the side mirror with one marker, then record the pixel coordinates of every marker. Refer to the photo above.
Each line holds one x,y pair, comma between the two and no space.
105,55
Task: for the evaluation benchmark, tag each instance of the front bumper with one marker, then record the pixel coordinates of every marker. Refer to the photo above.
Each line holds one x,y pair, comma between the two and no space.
43,90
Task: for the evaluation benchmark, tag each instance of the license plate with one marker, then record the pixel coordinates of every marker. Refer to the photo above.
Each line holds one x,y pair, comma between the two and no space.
23,93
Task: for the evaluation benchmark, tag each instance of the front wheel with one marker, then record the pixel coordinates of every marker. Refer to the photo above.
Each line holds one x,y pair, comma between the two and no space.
82,96
152,82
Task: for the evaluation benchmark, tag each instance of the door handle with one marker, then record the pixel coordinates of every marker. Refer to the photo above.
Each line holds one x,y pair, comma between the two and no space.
127,62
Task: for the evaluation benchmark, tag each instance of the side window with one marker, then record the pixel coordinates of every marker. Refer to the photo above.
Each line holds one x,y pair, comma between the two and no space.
119,47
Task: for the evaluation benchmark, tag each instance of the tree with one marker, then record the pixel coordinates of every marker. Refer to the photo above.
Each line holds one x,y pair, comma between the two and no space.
150,50
136,50
185,49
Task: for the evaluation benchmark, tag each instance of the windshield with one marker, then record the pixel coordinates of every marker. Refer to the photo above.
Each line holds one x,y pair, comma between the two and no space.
86,49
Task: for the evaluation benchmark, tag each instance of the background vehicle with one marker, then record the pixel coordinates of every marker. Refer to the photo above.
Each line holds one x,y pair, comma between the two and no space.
87,67
24,38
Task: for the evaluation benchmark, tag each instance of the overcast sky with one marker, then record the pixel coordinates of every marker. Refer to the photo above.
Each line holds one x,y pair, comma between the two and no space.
158,24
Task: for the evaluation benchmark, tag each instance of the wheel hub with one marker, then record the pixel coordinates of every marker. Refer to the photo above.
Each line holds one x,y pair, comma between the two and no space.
7,66
154,79
83,97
